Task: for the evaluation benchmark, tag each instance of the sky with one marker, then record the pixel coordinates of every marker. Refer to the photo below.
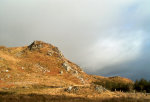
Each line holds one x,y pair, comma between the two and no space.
104,37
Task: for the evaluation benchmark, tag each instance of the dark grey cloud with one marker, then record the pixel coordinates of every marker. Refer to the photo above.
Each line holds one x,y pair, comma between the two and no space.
136,69
94,34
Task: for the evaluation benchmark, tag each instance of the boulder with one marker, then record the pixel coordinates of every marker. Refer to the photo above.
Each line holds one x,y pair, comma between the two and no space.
55,49
68,89
48,71
36,45
61,72
41,68
100,89
82,80
61,55
50,53
75,72
6,70
22,68
67,67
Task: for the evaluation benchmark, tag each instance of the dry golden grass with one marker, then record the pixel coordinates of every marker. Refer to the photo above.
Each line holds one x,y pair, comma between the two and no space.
7,97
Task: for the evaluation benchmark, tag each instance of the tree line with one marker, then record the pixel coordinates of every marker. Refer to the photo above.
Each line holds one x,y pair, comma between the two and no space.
141,85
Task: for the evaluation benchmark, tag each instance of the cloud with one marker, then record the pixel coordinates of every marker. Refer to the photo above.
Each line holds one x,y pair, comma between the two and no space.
134,69
92,33
115,49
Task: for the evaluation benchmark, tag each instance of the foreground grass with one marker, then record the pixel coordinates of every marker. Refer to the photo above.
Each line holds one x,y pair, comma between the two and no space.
10,97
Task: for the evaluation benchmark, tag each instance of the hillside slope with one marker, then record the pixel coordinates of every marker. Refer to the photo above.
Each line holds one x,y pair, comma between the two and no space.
38,63
41,68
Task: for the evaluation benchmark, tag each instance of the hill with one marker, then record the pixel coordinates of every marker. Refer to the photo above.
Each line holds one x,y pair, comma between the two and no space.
41,68
38,63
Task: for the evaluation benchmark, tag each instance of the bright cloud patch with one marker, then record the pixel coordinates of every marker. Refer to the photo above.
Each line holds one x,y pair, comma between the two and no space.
115,49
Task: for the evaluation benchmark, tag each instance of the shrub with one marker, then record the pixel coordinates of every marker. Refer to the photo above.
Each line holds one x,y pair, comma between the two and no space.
118,86
142,85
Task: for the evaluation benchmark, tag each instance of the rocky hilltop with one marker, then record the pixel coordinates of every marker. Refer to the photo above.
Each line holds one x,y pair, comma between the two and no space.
42,68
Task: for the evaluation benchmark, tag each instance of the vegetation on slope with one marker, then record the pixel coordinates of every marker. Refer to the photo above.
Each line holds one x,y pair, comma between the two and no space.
142,85
115,84
62,98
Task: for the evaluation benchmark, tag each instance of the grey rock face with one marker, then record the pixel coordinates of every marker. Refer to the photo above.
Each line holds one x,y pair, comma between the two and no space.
75,72
67,67
55,49
35,45
100,89
82,80
42,69
68,89
50,53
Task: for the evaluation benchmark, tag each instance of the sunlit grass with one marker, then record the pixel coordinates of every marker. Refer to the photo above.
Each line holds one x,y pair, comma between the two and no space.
6,97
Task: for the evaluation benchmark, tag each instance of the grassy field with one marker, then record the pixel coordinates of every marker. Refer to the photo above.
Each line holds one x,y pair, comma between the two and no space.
10,97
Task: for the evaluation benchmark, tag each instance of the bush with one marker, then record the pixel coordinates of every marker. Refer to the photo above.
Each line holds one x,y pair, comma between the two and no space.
142,85
118,86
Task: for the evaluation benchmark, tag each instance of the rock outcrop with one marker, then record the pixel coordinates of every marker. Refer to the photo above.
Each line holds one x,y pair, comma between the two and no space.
36,45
